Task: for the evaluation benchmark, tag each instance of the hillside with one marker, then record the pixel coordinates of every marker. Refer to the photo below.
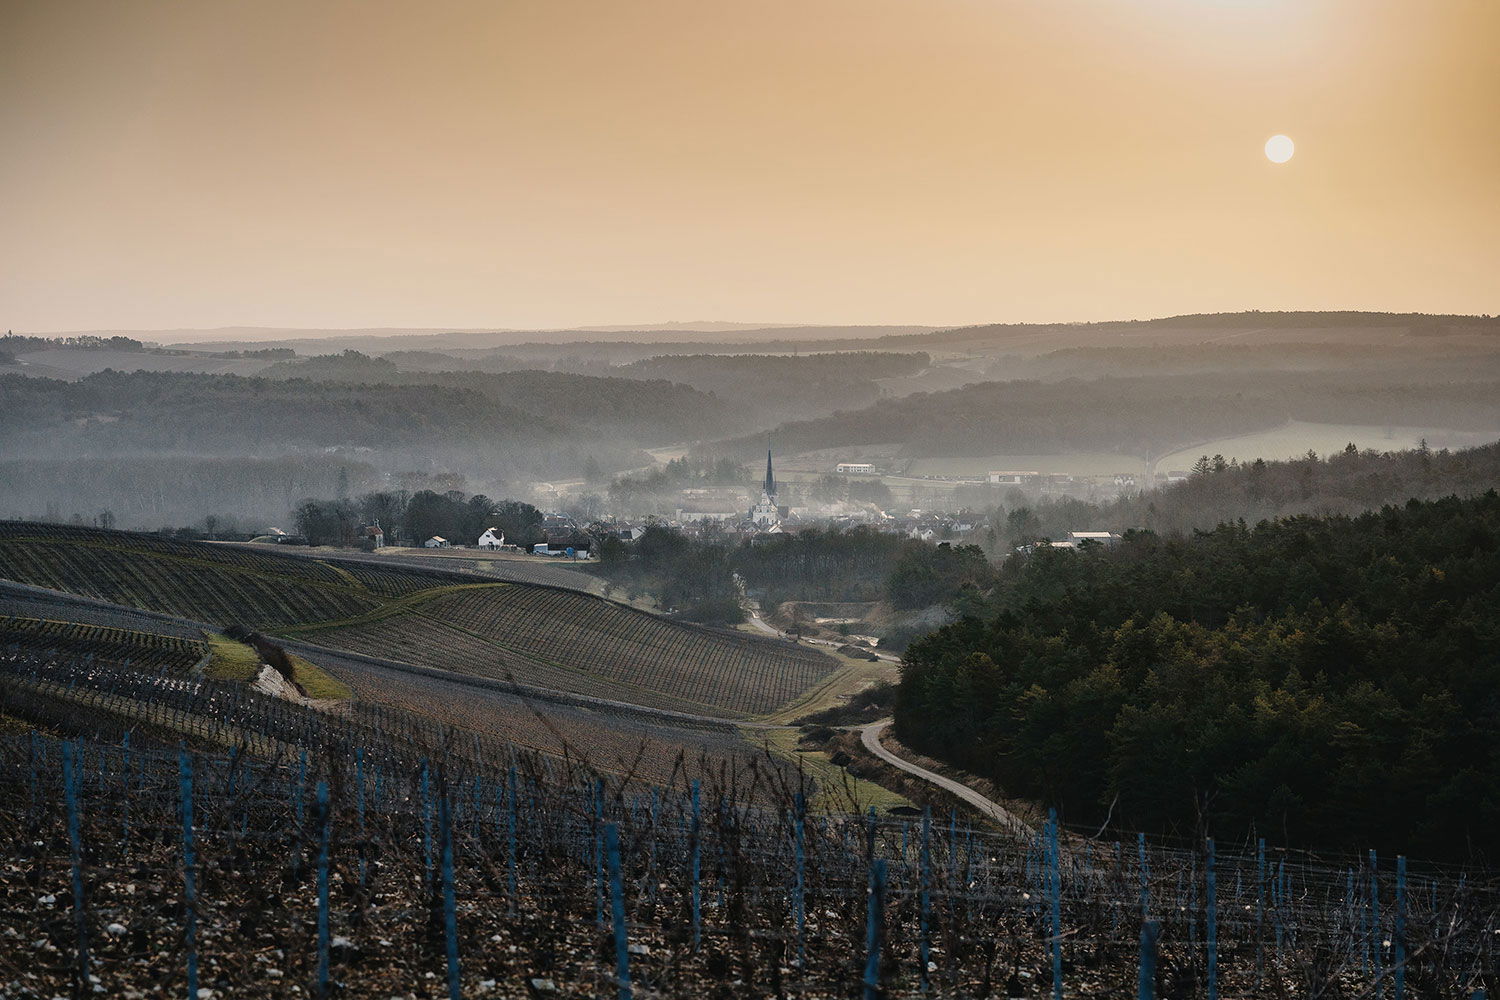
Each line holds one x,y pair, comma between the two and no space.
1332,679
1141,416
1348,482
547,637
653,411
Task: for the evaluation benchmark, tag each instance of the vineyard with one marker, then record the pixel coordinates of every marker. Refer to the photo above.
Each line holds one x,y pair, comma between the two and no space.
435,838
615,739
405,861
144,650
573,642
202,582
549,637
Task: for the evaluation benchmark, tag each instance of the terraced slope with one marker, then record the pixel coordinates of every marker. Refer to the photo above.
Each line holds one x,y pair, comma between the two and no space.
574,642
203,582
123,647
542,636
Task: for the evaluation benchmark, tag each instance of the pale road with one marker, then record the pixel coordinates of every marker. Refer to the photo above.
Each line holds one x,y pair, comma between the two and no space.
769,629
870,736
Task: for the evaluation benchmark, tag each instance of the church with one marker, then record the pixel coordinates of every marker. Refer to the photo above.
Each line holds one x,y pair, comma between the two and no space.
766,515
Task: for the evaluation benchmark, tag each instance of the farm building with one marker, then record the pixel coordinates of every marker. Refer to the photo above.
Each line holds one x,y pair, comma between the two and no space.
491,539
1014,478
373,536
1101,537
436,542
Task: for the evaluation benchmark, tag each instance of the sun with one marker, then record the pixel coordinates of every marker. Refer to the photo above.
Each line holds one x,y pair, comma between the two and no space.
1279,149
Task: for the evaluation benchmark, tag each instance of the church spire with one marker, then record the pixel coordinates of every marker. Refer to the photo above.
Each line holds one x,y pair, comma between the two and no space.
770,487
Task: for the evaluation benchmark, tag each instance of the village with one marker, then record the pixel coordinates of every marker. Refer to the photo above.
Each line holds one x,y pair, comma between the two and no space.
722,514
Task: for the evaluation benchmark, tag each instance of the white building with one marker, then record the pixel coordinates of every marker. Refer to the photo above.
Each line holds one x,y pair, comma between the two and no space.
492,539
854,467
1014,478
1102,537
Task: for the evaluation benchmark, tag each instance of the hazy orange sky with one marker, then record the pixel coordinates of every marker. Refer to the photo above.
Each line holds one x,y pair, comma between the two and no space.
532,164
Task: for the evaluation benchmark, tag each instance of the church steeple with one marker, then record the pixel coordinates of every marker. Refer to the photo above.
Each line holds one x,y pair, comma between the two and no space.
770,486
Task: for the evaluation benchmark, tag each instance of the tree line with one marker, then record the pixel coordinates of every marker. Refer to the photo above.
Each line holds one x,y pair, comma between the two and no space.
412,518
1325,681
697,576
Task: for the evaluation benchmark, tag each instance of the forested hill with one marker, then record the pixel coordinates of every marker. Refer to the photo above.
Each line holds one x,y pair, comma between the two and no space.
1349,482
1135,416
1324,681
770,388
651,412
194,412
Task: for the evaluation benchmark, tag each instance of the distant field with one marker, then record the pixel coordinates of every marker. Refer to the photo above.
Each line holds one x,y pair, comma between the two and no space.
1077,464
566,640
1296,439
78,363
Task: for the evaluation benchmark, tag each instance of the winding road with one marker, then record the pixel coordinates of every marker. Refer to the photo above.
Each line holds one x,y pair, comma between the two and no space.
870,737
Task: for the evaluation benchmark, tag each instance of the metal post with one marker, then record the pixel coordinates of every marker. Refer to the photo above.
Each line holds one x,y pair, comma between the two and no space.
617,910
189,881
874,927
1146,983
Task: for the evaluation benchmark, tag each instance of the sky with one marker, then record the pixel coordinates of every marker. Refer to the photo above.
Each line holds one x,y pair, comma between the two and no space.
519,164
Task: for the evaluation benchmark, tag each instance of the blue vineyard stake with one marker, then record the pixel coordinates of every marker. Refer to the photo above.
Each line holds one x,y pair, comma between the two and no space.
1054,890
189,880
1146,982
325,823
1211,918
696,861
72,783
925,947
874,926
1399,937
617,910
450,907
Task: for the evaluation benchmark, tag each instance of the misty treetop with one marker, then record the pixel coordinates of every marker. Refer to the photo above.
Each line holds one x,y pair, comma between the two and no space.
411,518
651,411
1327,681
1136,416
1349,482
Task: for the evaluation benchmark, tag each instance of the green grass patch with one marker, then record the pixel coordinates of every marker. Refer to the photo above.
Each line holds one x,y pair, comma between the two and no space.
838,790
230,660
317,682
239,663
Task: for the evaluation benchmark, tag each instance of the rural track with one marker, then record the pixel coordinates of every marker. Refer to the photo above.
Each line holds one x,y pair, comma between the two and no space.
358,663
870,736
760,623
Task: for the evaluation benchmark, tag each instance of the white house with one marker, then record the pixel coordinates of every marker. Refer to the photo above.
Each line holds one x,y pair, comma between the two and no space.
1102,537
436,542
492,539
